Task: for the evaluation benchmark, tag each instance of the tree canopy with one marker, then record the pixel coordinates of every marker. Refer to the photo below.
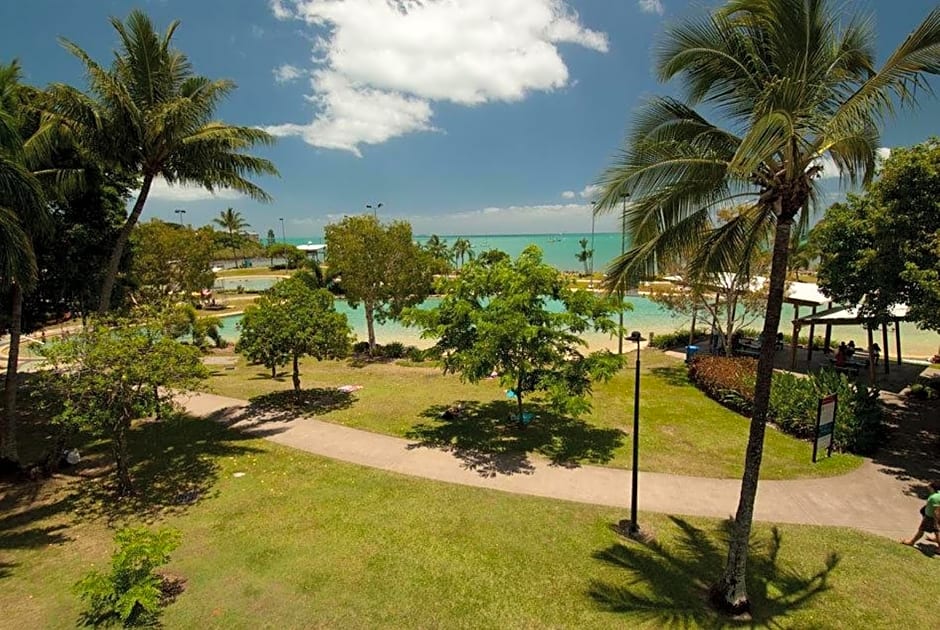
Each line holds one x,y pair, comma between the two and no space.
522,320
380,266
171,260
290,321
882,248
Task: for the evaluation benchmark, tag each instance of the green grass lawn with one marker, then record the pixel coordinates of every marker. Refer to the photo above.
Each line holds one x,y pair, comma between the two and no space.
682,431
303,542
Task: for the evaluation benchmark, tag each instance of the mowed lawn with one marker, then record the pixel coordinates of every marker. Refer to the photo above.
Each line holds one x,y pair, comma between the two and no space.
297,541
682,431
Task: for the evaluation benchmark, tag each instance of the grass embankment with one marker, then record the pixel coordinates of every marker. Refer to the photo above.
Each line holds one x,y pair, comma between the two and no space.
682,431
254,271
299,542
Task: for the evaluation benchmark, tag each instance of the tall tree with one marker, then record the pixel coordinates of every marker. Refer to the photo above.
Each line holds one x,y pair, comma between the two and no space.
496,317
899,214
462,249
23,212
232,221
170,260
794,82
585,255
151,115
380,266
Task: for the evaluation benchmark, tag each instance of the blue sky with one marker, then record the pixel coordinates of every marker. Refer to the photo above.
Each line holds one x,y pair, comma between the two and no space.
462,116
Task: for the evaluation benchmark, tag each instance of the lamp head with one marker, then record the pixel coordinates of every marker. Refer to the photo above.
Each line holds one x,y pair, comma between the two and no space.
636,337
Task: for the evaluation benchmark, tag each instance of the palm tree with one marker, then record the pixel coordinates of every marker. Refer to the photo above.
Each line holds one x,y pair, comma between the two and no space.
585,255
151,115
793,83
232,221
437,247
462,249
22,211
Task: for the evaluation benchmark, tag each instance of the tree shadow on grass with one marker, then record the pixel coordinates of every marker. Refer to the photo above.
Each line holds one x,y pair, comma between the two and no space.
173,466
284,406
668,586
24,524
675,375
487,441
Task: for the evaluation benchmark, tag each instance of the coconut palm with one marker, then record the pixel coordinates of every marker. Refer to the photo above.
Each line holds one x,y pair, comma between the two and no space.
232,221
794,83
22,211
462,249
585,255
150,114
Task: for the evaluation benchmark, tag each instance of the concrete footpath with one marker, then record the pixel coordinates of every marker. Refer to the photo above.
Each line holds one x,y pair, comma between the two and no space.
872,498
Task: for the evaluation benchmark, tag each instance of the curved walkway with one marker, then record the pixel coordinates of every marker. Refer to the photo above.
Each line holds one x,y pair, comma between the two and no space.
872,498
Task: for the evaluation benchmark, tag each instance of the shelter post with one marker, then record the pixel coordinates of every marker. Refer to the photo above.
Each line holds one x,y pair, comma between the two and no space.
796,336
828,341
812,334
897,340
884,341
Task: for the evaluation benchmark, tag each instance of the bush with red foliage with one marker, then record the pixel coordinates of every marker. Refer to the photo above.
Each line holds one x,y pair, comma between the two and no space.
729,380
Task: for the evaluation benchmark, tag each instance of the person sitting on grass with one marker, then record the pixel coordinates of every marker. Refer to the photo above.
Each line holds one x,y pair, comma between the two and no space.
930,516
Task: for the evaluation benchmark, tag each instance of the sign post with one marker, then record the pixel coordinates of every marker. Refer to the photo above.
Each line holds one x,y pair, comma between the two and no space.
825,423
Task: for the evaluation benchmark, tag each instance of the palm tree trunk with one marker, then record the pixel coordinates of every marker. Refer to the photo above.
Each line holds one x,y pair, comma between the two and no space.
231,239
8,447
370,325
107,287
730,593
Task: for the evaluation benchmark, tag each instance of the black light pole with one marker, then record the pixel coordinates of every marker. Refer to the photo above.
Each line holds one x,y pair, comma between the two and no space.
633,528
623,245
283,233
180,212
374,209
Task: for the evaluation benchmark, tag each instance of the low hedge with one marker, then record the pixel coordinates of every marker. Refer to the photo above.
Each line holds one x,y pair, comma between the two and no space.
793,400
675,339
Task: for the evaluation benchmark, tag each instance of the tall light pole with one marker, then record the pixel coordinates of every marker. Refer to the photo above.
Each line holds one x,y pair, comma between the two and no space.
179,213
283,233
593,215
623,246
632,528
374,209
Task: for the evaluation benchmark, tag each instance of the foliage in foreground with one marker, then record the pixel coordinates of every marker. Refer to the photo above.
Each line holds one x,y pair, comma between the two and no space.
793,400
106,377
675,339
131,593
495,317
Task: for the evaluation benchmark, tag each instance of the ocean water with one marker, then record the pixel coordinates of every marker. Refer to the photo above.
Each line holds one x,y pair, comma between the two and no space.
560,250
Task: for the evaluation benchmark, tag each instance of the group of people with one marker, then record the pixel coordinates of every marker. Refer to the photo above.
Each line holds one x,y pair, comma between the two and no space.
845,351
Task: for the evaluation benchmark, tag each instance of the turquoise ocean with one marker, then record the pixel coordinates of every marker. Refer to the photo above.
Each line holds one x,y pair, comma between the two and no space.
560,251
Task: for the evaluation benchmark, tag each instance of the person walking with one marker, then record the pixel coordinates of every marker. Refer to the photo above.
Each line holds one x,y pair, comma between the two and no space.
930,516
875,352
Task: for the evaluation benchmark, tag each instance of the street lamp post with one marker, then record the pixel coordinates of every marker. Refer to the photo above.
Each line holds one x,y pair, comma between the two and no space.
283,233
179,213
632,528
623,245
374,209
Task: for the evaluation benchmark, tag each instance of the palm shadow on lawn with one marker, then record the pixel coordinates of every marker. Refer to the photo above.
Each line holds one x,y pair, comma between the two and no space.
667,586
287,405
486,440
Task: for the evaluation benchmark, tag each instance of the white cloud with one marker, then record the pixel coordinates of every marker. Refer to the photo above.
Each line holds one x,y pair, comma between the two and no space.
568,194
286,73
525,219
393,58
280,11
651,6
831,171
163,191
590,191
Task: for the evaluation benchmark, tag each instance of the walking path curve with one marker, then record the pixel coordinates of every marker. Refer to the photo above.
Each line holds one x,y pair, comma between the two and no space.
872,498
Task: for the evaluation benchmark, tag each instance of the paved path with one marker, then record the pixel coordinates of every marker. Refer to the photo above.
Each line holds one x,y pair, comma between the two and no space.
873,498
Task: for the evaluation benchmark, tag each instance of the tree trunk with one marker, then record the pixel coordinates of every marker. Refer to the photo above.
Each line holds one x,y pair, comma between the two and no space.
730,593
370,325
274,371
119,450
8,447
519,401
231,239
296,375
115,262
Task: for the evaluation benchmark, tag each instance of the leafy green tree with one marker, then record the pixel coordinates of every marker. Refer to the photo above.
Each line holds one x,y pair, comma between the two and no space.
151,115
231,220
794,81
496,317
291,321
131,594
271,239
585,255
171,260
883,248
183,320
23,214
380,266
106,377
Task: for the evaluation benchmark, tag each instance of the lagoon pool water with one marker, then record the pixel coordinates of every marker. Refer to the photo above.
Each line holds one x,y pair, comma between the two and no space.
251,284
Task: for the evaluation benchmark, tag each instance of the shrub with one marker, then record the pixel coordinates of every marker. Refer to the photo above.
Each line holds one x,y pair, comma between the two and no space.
675,339
360,347
131,593
729,380
922,391
394,350
415,354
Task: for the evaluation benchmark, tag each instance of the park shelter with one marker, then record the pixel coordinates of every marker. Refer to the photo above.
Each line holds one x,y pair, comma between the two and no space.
313,249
